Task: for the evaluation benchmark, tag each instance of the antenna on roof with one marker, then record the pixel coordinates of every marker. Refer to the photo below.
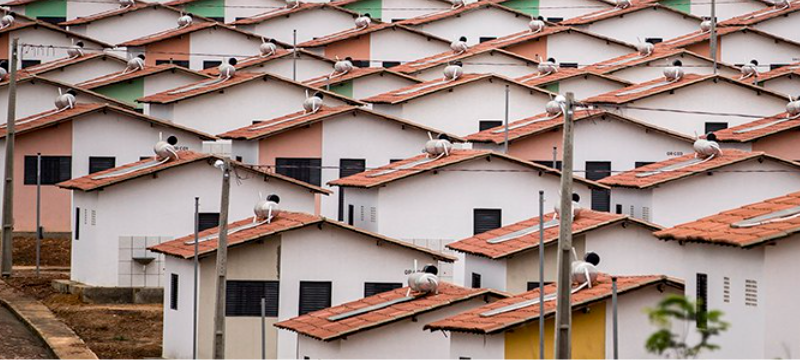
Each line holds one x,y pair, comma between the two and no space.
291,4
267,47
7,20
184,21
750,70
363,21
313,103
76,50
537,24
126,3
459,46
165,151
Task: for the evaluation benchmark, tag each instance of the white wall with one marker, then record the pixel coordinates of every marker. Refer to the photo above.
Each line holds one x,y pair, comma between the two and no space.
401,45
782,26
177,343
306,67
168,80
740,48
655,69
44,36
247,8
404,9
788,85
86,70
633,250
779,299
485,22
358,259
587,86
34,97
492,271
570,8
220,41
372,85
466,345
83,9
582,49
726,10
648,23
130,26
633,202
485,63
310,24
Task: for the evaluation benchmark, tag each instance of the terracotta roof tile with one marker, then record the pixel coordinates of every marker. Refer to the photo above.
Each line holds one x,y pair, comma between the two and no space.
472,321
762,15
448,13
793,69
260,60
118,12
317,325
617,12
427,87
758,129
646,89
91,183
62,63
698,36
637,179
407,168
356,73
171,33
286,11
418,65
535,124
633,59
80,91
719,229
344,34
18,25
121,76
283,123
588,220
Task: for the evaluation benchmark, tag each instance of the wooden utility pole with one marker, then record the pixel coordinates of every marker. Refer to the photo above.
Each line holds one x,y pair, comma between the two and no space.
6,260
564,280
713,42
222,263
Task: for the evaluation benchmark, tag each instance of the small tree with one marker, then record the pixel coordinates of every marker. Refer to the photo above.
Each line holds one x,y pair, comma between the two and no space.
679,309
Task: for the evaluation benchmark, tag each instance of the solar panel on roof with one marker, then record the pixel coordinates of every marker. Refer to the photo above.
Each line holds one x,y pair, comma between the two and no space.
523,232
777,216
671,167
371,308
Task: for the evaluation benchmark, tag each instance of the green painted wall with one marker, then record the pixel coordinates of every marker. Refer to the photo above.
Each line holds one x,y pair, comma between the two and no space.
552,87
373,7
530,7
207,8
47,8
127,91
680,5
345,88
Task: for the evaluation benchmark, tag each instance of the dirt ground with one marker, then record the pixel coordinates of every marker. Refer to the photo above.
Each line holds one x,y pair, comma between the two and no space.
53,252
111,331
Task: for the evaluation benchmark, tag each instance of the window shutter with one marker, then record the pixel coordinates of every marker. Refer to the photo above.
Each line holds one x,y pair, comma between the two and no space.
304,169
476,280
601,198
485,220
348,167
243,298
715,126
314,295
702,300
374,288
488,124
208,221
173,292
100,163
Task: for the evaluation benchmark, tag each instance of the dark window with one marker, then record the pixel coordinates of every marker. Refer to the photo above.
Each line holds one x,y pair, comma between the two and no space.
715,126
476,280
484,220
208,221
308,170
601,198
777,66
487,38
394,160
217,19
29,63
361,63
100,163
464,358
534,285
348,167
488,124
373,288
314,295
555,19
55,169
239,158
568,65
702,300
639,164
52,19
183,63
77,223
618,209
207,64
243,298
173,292
350,213
388,64
653,40
548,163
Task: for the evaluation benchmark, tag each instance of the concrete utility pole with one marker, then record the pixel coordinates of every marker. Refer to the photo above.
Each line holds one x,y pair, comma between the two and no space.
505,132
6,259
222,263
195,281
564,282
713,42
39,234
541,272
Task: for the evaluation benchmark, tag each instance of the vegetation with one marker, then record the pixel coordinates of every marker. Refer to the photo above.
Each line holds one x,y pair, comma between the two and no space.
676,312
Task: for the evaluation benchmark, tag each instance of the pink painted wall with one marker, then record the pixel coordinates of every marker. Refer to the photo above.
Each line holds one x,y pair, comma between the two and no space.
530,49
783,145
56,202
358,48
538,147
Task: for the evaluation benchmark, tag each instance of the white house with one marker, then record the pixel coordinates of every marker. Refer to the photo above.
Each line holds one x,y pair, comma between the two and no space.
36,95
778,20
774,135
464,105
739,45
478,22
476,60
109,241
748,277
302,23
658,192
692,103
582,83
319,147
388,325
785,80
507,258
239,100
128,23
57,11
557,10
432,201
299,263
378,45
76,142
643,22
225,11
299,65
506,329
362,83
73,70
638,68
394,10
723,10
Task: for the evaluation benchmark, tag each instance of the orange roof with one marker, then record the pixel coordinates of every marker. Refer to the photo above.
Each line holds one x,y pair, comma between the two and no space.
171,33
287,11
90,183
649,176
448,56
356,73
587,221
18,25
567,73
617,12
283,222
118,77
260,60
525,36
428,87
407,168
698,36
318,326
351,33
760,15
63,63
634,59
646,89
457,12
62,85
758,129
472,321
42,120
791,69
121,11
720,228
